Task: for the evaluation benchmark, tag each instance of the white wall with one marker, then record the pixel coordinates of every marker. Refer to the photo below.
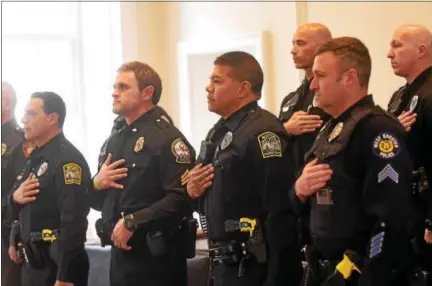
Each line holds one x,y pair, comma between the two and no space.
160,26
373,23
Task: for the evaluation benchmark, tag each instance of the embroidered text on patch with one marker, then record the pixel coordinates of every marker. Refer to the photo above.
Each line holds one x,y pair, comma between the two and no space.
270,145
180,151
386,146
72,174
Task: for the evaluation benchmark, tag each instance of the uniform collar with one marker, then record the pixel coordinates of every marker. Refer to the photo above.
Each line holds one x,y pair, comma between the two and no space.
43,150
366,101
419,80
233,121
146,118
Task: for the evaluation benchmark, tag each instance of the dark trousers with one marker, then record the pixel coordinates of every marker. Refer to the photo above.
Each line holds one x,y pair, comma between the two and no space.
227,275
138,267
10,272
48,275
425,255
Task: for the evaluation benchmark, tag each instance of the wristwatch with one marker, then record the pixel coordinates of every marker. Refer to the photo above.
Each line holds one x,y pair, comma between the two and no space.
428,223
130,223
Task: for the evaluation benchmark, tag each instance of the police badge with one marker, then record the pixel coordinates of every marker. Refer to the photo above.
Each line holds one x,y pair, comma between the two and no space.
226,141
335,132
413,103
42,169
139,144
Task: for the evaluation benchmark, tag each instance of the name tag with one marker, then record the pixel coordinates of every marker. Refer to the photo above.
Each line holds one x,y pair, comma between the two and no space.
324,196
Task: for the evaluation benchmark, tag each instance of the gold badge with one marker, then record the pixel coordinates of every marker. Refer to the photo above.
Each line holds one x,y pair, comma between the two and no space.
180,151
72,174
4,148
42,169
185,177
335,132
270,145
139,144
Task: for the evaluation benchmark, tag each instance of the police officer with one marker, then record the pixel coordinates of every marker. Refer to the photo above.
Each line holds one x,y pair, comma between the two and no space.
118,123
50,198
244,166
14,153
411,57
358,175
140,187
298,112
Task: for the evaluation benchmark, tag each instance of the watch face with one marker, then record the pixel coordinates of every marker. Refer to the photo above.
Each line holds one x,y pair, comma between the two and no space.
129,224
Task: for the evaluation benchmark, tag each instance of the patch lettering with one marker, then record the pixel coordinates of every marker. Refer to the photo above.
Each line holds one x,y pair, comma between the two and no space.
72,174
180,151
270,145
386,146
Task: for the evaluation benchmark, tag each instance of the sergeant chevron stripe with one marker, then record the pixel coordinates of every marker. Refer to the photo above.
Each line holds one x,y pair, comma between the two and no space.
388,172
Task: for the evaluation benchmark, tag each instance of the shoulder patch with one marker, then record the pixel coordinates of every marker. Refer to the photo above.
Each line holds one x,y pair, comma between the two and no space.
4,149
72,174
386,146
180,151
270,145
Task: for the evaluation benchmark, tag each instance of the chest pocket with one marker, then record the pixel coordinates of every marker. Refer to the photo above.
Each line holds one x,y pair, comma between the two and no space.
138,161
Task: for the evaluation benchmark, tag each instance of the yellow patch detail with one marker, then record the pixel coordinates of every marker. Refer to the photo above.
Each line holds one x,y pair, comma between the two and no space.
72,174
185,177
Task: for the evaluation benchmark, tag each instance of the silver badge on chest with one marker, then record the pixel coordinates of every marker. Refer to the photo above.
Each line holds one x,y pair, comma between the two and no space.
414,102
42,169
226,141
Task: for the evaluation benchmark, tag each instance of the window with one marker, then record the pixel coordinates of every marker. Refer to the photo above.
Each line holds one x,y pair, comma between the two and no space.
73,49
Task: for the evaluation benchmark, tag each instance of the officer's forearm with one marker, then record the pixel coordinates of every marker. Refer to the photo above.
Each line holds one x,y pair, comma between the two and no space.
10,208
96,197
298,206
71,246
173,206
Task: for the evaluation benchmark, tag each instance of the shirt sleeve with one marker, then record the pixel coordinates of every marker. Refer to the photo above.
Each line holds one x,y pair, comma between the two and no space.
72,180
273,176
387,198
427,113
176,159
